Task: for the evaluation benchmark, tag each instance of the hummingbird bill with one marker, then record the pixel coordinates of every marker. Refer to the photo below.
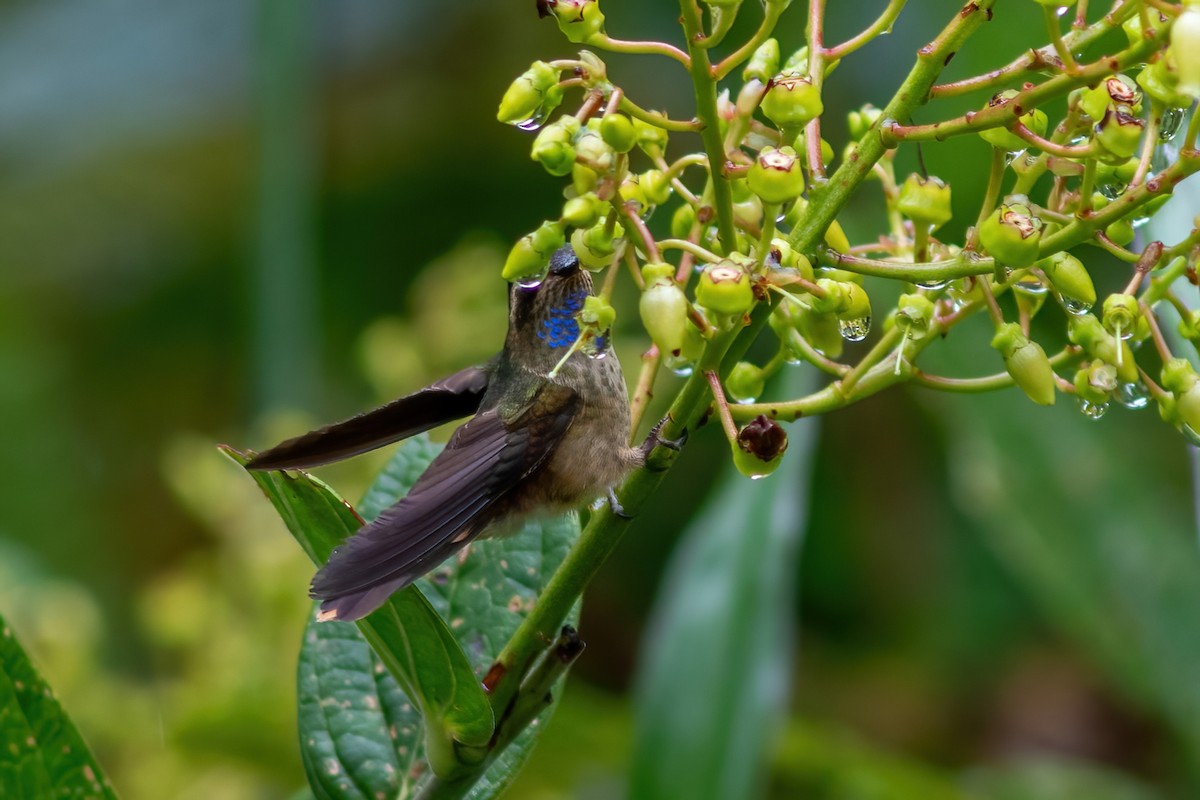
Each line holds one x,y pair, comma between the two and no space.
545,434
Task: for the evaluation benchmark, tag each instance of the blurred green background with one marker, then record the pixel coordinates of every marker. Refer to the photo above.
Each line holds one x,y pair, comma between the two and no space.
227,221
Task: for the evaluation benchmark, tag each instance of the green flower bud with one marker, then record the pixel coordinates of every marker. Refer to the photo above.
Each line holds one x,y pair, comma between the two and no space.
860,121
759,447
554,146
655,186
925,201
548,238
826,148
775,175
594,152
1133,26
1011,235
523,261
1068,275
820,330
1026,362
579,20
745,382
650,138
583,178
1095,383
764,63
1121,313
682,221
1161,82
618,131
1184,50
664,309
595,246
1120,232
725,288
1187,410
1087,332
1113,91
1005,139
792,100
597,314
1120,133
914,316
1178,376
748,212
835,237
534,94
1189,326
583,211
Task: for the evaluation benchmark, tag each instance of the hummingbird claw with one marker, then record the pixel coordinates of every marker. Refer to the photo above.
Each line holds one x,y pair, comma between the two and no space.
655,438
614,504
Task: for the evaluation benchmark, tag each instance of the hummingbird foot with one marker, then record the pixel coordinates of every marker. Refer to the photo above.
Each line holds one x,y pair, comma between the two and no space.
615,506
655,438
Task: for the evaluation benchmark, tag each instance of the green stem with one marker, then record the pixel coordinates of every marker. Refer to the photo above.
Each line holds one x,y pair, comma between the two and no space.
705,89
604,42
881,25
1005,114
912,93
660,120
774,8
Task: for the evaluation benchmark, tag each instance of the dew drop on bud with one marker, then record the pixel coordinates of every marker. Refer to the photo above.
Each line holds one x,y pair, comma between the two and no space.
534,123
1133,396
854,330
679,365
1030,285
1112,189
1172,120
1075,307
1092,410
1189,434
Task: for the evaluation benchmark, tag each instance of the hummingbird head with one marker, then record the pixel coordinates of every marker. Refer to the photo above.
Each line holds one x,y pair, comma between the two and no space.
543,314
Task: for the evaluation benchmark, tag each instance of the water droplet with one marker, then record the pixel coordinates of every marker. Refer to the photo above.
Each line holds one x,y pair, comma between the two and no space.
1133,396
1172,120
1112,190
679,365
1189,434
1076,307
854,330
1030,285
1061,11
737,398
532,124
934,286
1092,410
530,282
595,347
756,476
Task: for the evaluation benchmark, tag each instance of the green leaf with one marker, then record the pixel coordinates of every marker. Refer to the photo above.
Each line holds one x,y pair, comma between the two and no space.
406,632
713,686
42,754
360,735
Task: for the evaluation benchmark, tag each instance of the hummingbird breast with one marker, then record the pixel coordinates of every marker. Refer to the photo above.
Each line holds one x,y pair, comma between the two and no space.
594,453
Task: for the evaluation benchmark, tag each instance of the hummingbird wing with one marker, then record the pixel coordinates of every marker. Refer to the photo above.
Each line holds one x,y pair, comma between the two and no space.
449,505
450,398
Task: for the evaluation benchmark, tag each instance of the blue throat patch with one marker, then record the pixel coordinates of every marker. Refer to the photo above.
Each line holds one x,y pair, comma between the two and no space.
562,329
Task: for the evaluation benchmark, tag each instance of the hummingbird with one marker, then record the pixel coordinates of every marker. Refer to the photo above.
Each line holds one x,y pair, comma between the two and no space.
549,430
